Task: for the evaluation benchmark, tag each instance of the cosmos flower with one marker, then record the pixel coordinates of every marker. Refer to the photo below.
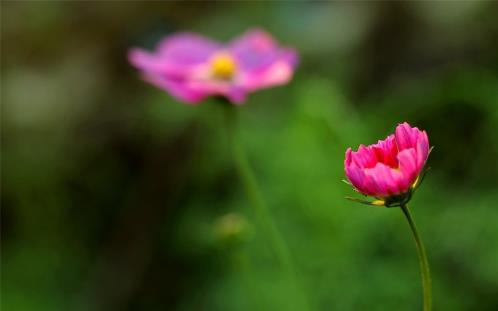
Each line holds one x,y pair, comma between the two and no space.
389,170
192,68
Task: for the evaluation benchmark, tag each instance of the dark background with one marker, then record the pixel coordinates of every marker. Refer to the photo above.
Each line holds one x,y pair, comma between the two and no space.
115,196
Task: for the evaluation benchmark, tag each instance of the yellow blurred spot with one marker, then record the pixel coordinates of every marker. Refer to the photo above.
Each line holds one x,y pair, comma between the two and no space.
415,184
378,203
223,66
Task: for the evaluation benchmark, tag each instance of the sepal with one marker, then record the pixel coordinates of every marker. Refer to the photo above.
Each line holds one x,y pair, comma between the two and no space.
419,179
372,203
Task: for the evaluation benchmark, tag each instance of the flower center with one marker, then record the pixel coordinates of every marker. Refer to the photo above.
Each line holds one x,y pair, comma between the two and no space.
223,66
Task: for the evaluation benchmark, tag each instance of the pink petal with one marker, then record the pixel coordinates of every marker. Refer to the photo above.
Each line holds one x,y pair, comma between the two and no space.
262,62
280,72
348,157
385,151
177,89
353,173
408,167
371,186
233,93
155,64
236,95
386,179
357,177
252,45
364,157
404,136
422,149
187,48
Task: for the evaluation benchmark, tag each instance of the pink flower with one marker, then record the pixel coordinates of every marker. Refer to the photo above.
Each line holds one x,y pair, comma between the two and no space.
390,168
191,67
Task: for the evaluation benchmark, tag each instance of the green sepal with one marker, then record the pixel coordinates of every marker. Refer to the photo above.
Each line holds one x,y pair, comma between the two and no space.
371,203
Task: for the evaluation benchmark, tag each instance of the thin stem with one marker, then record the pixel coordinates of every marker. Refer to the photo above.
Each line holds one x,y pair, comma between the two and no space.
422,258
254,194
241,265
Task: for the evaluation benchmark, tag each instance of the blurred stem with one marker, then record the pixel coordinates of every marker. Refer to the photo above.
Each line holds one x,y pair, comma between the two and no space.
254,194
422,258
242,266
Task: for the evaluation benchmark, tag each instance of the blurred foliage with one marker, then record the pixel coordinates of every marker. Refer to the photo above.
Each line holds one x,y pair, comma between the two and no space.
114,195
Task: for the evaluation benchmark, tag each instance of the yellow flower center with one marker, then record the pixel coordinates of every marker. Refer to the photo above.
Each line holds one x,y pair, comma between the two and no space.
223,66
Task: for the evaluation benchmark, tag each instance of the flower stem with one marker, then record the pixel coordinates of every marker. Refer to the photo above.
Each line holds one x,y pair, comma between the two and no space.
253,192
422,258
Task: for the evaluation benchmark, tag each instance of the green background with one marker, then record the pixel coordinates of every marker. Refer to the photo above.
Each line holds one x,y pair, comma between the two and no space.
115,195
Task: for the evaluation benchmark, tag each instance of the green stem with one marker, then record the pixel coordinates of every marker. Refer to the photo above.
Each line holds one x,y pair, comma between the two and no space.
253,192
422,258
241,266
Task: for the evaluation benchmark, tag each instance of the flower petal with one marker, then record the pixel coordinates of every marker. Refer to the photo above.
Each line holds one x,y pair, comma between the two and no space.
277,73
408,167
262,62
157,65
357,178
404,136
388,181
187,48
364,157
354,174
178,89
422,149
254,49
385,151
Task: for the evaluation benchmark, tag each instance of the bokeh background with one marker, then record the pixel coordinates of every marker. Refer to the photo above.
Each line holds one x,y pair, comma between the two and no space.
117,197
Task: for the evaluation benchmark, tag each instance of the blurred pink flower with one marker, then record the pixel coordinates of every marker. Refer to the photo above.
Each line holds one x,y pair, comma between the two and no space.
391,167
191,67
